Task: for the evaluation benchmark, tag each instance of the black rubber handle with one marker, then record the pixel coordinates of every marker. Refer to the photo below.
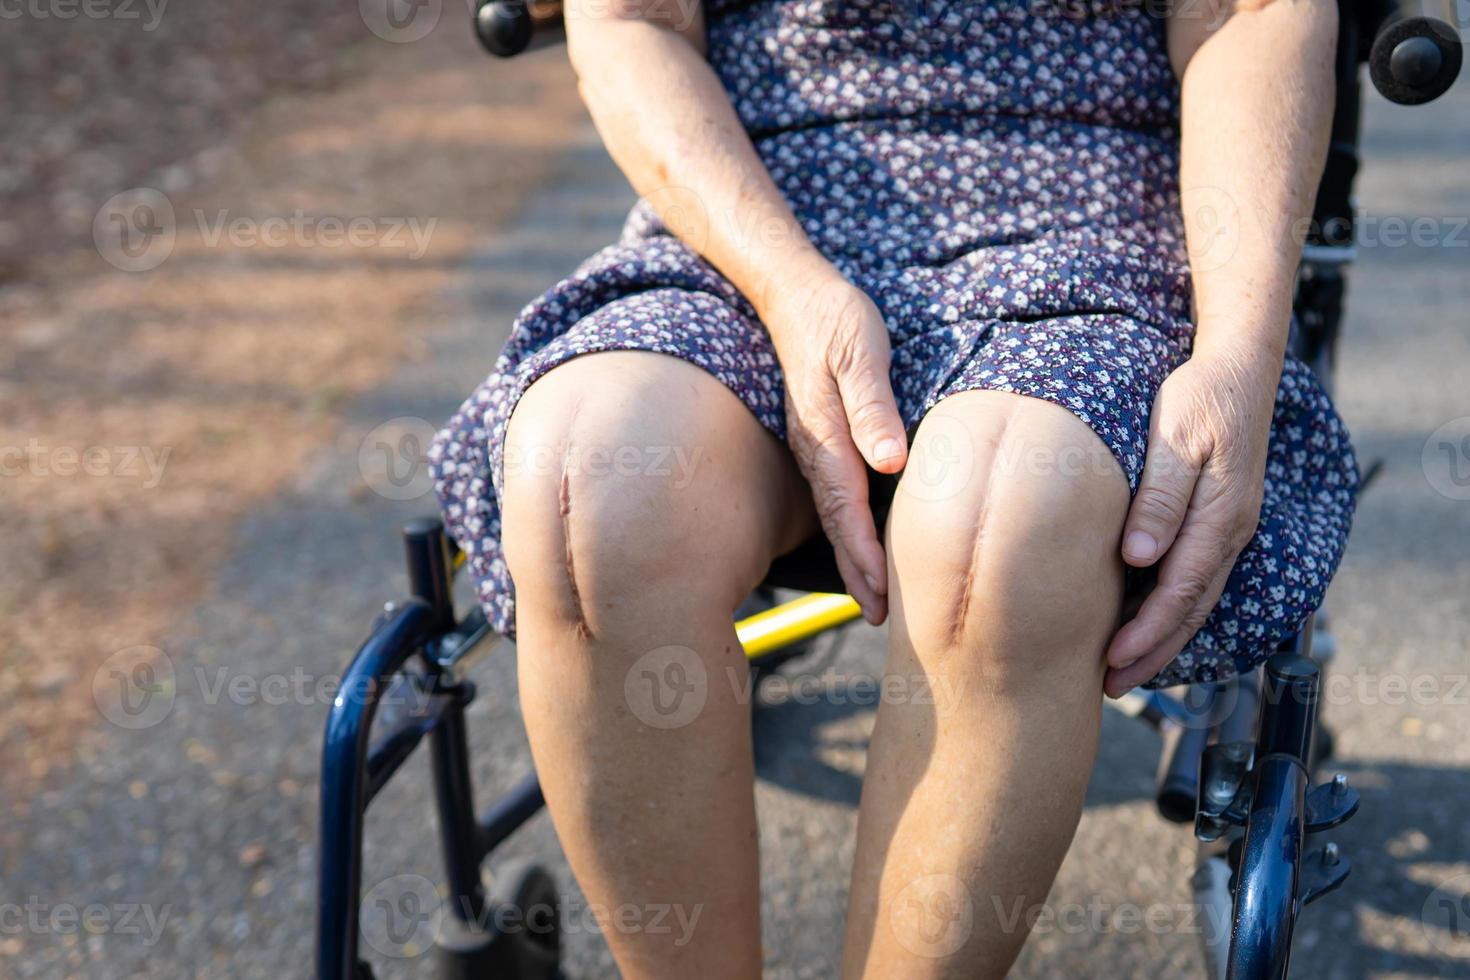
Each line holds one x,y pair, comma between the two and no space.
1417,54
508,27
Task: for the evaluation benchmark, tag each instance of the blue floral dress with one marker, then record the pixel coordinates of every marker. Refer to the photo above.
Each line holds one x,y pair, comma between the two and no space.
1001,178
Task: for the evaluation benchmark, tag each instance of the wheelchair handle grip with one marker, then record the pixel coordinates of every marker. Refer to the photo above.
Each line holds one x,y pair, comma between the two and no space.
1417,53
508,27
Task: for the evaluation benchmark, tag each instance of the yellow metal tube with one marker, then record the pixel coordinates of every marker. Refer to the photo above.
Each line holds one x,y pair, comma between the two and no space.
794,621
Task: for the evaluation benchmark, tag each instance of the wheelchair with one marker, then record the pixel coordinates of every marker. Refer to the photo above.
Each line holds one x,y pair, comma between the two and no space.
1238,756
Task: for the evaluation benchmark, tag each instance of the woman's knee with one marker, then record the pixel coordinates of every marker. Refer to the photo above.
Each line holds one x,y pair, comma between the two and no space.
1005,533
625,477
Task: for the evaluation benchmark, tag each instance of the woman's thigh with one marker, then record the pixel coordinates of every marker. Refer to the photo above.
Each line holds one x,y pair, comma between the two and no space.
625,470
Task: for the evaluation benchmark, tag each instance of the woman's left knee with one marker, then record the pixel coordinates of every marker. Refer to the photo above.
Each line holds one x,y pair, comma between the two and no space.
1004,533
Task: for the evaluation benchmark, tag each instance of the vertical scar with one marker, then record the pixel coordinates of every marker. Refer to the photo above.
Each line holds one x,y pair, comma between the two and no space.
564,507
957,627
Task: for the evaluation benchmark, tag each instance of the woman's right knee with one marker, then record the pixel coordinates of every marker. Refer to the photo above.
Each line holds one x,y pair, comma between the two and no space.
627,479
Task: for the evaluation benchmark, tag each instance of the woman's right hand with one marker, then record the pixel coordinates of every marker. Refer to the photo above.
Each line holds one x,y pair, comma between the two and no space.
840,412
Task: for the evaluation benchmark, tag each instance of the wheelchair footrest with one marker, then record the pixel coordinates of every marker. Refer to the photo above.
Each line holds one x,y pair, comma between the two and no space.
1330,804
1323,869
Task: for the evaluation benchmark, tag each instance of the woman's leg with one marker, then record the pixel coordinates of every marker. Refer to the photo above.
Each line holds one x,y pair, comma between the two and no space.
642,504
1005,587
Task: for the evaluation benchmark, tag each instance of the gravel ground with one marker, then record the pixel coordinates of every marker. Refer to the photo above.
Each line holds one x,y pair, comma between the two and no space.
116,93
290,279
206,818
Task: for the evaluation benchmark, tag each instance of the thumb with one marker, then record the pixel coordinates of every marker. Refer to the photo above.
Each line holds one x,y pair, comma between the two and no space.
872,414
1159,507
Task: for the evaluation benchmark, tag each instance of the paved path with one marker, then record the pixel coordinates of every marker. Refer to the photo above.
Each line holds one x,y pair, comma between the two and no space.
207,818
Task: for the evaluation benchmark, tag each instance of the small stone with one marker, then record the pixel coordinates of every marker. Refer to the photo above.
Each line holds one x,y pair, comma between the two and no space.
137,789
252,854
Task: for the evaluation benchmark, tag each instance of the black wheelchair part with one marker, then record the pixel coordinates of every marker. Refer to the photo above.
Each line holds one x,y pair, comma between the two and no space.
1237,756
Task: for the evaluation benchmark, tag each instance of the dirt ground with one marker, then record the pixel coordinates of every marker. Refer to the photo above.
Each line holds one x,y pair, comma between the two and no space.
294,191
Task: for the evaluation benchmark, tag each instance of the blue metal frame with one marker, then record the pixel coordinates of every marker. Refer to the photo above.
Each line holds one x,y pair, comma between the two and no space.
349,782
355,766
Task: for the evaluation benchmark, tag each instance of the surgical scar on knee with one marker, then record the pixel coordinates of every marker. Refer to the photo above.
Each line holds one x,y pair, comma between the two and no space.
584,631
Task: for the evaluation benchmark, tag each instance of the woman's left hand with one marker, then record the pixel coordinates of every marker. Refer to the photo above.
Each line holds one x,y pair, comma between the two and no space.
1198,502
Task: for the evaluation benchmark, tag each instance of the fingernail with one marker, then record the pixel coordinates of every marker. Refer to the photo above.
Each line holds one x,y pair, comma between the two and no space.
888,449
872,584
1140,546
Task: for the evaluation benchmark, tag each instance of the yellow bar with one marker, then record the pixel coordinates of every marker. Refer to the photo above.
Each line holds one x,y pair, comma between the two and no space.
794,621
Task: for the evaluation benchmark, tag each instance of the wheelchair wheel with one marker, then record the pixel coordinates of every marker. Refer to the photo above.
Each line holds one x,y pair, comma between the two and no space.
529,892
521,936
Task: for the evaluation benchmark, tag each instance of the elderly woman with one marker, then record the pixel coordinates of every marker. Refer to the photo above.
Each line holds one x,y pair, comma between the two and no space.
1038,258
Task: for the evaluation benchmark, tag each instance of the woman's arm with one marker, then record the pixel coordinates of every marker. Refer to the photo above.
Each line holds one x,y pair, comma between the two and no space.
1257,85
669,125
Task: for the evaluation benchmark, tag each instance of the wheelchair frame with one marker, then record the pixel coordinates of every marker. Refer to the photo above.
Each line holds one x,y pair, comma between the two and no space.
1237,755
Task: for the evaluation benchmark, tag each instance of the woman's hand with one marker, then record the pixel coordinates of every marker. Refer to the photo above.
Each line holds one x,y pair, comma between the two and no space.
1197,503
840,411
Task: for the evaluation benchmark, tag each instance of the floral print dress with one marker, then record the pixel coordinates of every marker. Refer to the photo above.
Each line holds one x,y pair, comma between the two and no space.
1002,179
